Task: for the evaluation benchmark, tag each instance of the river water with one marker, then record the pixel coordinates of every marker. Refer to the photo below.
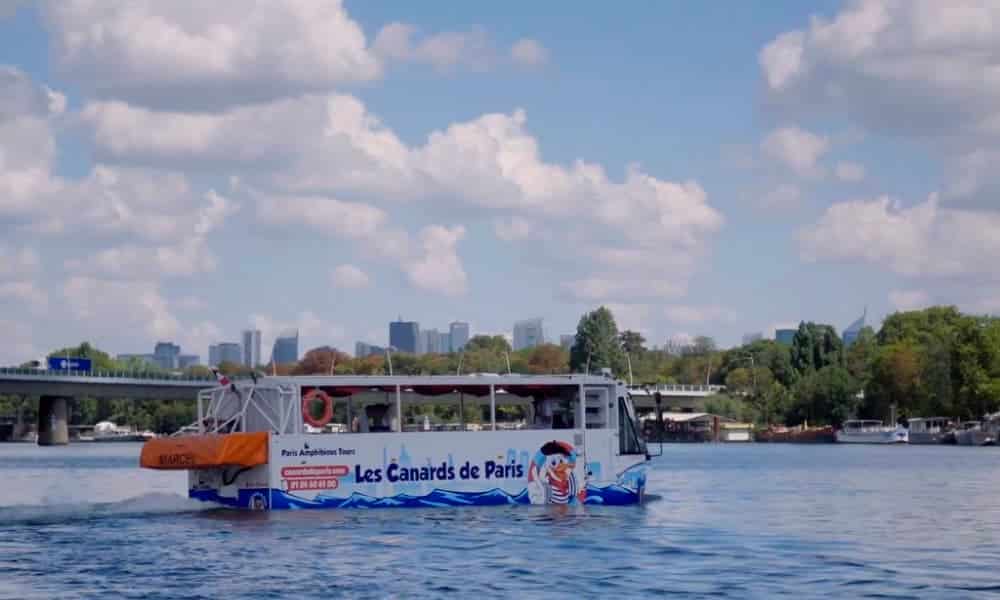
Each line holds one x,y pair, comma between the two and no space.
741,521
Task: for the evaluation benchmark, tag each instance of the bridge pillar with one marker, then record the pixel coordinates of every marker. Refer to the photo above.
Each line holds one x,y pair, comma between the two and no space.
53,421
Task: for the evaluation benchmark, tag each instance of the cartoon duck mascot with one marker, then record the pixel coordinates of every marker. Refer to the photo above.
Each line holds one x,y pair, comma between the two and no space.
550,477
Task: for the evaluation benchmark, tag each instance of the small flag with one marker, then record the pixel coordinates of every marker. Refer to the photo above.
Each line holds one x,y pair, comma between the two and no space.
223,380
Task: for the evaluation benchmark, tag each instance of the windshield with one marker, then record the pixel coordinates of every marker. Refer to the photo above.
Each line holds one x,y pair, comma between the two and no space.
628,427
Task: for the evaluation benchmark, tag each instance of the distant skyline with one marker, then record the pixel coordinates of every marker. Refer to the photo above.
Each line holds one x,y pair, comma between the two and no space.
699,168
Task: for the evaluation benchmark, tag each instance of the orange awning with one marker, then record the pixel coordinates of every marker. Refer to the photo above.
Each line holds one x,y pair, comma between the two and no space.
206,451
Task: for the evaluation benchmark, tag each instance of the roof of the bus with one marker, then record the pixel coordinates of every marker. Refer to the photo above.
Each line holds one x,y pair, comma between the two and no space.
457,381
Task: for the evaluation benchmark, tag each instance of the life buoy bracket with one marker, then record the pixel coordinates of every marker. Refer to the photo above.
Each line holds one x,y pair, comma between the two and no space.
307,400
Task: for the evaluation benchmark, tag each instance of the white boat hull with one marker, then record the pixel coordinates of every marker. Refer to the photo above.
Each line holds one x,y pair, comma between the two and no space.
975,437
887,436
418,469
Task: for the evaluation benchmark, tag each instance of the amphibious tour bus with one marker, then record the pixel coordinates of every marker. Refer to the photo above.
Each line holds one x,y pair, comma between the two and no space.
387,441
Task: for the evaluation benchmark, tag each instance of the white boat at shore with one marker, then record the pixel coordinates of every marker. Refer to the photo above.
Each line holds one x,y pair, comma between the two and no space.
567,439
979,433
108,431
865,431
928,430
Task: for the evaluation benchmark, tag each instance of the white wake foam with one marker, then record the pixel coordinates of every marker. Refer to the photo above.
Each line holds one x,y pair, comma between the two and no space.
156,503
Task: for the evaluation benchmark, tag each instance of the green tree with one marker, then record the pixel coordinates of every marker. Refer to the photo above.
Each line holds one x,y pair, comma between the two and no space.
100,360
977,357
547,359
739,381
493,343
734,408
917,325
597,345
858,358
895,380
816,346
320,361
632,342
826,397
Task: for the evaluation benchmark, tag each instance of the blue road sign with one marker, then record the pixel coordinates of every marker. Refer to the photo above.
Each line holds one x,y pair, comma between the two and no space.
69,364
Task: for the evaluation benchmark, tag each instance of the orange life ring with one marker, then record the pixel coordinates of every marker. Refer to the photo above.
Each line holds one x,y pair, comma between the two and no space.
313,394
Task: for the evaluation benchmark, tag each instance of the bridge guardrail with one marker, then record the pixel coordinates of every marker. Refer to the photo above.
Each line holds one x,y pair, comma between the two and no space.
144,375
677,387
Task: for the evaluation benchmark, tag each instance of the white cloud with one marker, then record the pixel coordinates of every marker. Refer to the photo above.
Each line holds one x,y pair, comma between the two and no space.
224,52
314,331
27,144
309,143
191,303
918,67
688,314
136,307
909,299
782,59
351,220
18,262
850,172
923,71
439,268
529,53
186,253
491,162
974,171
432,264
635,317
782,197
922,240
349,277
24,293
131,261
987,301
513,229
601,289
796,148
127,304
21,97
316,149
19,344
472,49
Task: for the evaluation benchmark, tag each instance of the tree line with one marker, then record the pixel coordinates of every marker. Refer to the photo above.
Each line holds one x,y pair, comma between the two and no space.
932,362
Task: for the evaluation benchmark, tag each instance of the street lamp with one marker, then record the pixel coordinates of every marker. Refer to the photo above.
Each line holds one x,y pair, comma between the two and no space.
753,370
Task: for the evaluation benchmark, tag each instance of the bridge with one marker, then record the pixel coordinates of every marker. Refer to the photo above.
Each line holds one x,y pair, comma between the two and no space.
56,388
673,397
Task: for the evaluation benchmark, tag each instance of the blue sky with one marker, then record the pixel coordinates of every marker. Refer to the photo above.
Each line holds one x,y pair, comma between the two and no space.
704,168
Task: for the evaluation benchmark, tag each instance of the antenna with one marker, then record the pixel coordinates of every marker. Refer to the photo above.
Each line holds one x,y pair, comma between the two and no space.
460,357
333,361
388,356
507,357
629,359
588,364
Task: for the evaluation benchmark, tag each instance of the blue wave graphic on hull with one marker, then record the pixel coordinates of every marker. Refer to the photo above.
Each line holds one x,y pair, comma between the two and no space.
611,495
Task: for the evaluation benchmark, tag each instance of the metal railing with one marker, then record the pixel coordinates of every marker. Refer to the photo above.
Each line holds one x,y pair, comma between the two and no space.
109,374
676,387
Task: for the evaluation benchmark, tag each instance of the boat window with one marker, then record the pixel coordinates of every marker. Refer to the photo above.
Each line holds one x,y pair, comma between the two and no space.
597,408
448,408
447,412
628,430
